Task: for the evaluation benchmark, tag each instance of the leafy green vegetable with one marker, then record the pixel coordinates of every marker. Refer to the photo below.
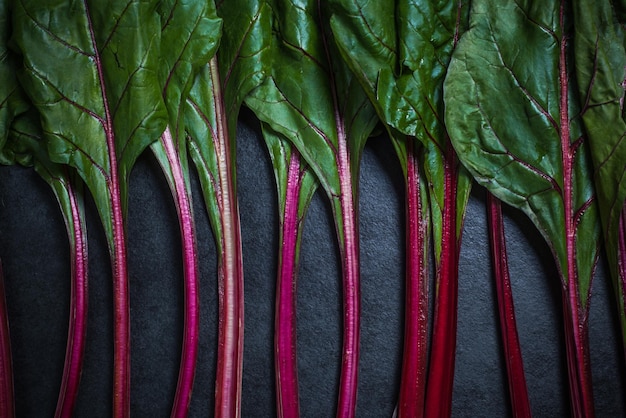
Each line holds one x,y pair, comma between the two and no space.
517,129
28,148
400,54
211,119
100,107
189,38
600,58
328,128
296,186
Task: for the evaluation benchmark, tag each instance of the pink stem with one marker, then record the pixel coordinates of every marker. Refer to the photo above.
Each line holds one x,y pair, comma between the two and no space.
230,272
512,350
117,250
442,356
77,331
285,321
7,402
190,270
346,406
413,380
575,316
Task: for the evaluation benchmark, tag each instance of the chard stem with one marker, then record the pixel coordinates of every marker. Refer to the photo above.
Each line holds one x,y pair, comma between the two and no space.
512,350
230,271
285,321
182,199
442,355
346,406
413,380
77,330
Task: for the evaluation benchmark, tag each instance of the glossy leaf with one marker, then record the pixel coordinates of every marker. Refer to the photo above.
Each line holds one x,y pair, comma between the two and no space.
100,104
600,58
329,129
517,128
211,118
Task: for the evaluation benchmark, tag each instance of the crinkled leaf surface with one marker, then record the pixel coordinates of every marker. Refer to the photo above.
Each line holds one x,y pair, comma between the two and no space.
311,97
91,69
600,59
189,37
400,52
505,116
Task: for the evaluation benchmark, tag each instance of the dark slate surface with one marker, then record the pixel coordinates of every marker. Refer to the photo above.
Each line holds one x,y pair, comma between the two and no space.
34,252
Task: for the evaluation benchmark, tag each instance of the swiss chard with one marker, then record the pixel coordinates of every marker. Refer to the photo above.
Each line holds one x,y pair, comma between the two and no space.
27,147
400,54
329,129
211,119
518,393
189,37
100,107
517,128
600,58
296,186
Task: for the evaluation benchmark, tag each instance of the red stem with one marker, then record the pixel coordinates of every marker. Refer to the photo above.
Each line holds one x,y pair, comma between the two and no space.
77,331
190,271
285,321
512,350
117,250
575,315
621,248
413,380
442,355
7,401
230,272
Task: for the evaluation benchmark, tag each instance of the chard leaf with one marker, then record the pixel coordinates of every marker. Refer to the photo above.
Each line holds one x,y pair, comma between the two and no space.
100,105
312,98
514,118
600,57
12,101
400,52
98,97
211,119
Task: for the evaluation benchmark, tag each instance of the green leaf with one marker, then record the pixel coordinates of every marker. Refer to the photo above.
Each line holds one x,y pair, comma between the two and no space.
239,68
91,70
400,53
305,60
513,114
98,98
600,59
507,126
12,101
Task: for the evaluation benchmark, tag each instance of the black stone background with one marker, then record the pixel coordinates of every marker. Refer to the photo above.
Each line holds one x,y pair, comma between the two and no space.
35,257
